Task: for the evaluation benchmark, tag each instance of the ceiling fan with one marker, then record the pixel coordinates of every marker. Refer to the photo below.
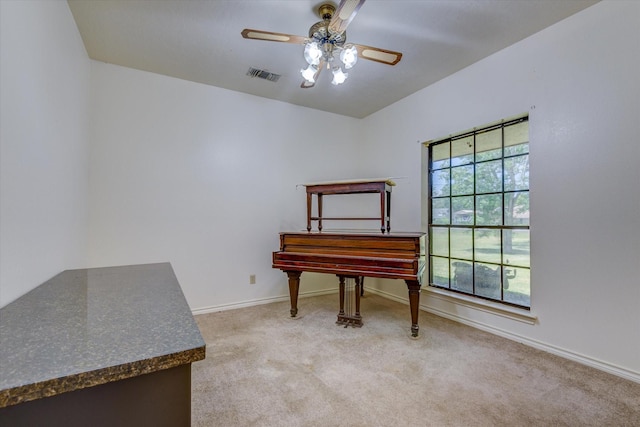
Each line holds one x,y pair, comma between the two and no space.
326,46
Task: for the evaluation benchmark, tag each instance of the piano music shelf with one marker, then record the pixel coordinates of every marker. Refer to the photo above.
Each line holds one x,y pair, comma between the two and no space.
382,186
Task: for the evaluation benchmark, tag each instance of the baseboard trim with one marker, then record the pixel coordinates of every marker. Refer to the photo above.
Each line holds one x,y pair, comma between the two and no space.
558,351
259,301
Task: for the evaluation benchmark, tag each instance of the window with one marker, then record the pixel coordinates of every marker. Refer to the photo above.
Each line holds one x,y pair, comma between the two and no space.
478,211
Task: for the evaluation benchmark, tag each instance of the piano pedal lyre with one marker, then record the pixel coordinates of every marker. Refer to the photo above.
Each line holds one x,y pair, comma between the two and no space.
349,299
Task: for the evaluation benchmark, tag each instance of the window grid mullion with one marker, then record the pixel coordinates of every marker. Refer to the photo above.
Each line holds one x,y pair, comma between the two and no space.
475,210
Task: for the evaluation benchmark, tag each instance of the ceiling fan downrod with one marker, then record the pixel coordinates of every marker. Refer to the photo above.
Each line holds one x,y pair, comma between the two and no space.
326,11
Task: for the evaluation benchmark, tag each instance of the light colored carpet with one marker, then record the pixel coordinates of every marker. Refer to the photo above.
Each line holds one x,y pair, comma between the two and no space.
264,368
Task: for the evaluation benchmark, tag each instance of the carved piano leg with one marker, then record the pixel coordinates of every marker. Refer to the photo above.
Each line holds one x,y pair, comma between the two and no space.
294,285
357,294
414,302
341,312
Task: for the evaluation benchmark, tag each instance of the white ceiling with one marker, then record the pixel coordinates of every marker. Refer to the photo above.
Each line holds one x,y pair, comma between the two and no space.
199,40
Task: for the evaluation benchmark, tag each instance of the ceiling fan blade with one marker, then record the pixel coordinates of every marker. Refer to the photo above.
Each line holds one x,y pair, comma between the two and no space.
248,33
345,13
379,55
306,85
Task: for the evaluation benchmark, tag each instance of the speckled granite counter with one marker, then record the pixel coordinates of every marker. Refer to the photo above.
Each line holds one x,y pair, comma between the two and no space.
88,327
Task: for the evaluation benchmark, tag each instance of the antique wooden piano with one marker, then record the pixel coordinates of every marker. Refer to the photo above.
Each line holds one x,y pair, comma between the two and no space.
353,255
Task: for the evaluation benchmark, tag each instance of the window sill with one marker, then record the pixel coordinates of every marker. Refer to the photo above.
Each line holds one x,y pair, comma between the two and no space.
497,309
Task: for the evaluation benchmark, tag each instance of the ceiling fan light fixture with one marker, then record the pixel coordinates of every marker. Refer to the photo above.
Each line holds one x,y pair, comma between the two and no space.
326,44
349,56
309,73
339,76
312,53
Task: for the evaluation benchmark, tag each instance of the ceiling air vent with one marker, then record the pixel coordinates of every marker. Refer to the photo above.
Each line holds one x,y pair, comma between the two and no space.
262,74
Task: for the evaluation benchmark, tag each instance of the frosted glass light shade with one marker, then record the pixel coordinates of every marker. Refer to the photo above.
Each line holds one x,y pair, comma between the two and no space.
339,76
309,73
349,56
312,53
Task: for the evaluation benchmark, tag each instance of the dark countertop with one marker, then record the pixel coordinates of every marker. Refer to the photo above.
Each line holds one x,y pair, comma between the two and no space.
92,326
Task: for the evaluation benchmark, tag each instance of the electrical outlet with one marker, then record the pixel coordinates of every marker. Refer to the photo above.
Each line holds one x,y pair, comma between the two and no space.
252,279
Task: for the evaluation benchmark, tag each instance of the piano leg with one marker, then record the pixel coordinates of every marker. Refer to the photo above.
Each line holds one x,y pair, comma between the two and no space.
414,302
357,295
294,286
342,292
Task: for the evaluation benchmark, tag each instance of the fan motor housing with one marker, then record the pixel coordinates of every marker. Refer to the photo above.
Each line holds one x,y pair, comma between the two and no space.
321,33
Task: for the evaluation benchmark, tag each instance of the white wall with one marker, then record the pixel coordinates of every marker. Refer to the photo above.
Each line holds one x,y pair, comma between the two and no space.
205,178
44,81
579,82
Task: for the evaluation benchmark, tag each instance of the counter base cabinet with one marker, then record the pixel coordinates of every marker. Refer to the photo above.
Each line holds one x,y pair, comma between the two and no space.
162,398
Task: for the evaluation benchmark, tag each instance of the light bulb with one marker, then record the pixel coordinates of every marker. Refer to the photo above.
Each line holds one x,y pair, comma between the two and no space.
349,56
309,73
339,76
